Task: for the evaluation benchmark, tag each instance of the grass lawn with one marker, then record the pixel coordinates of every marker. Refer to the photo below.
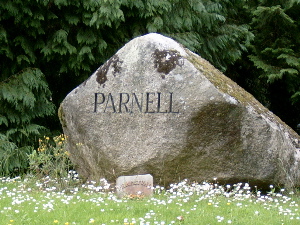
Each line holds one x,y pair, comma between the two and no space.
29,201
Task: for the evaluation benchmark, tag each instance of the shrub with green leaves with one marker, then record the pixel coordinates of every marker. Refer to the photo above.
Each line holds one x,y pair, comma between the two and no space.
13,160
67,40
24,98
50,159
275,54
48,47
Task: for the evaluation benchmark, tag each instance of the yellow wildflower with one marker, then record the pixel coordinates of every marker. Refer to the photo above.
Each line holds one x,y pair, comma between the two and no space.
55,221
41,149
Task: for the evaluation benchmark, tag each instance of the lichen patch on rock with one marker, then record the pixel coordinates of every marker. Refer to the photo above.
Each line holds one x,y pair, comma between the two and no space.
166,60
101,73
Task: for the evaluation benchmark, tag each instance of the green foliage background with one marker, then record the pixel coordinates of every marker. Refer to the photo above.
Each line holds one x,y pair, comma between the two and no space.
48,47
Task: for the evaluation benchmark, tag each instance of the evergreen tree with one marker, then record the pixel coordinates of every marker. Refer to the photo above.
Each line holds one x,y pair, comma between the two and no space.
276,55
24,97
67,40
210,29
54,45
24,92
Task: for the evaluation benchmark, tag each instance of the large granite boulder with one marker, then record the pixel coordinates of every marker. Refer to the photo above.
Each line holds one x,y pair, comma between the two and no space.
156,107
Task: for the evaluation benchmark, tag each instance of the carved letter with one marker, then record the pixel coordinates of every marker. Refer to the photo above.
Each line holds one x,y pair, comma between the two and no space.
123,103
171,103
96,100
148,101
158,103
110,98
139,104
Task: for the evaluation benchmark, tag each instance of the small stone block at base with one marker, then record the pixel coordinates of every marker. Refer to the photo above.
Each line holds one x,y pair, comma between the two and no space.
137,186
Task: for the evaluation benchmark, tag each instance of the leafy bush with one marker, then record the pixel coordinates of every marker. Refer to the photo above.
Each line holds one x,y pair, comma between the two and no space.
24,98
276,56
67,40
50,159
13,160
56,44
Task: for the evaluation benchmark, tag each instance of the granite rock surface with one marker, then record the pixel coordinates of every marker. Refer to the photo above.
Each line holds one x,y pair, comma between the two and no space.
155,107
